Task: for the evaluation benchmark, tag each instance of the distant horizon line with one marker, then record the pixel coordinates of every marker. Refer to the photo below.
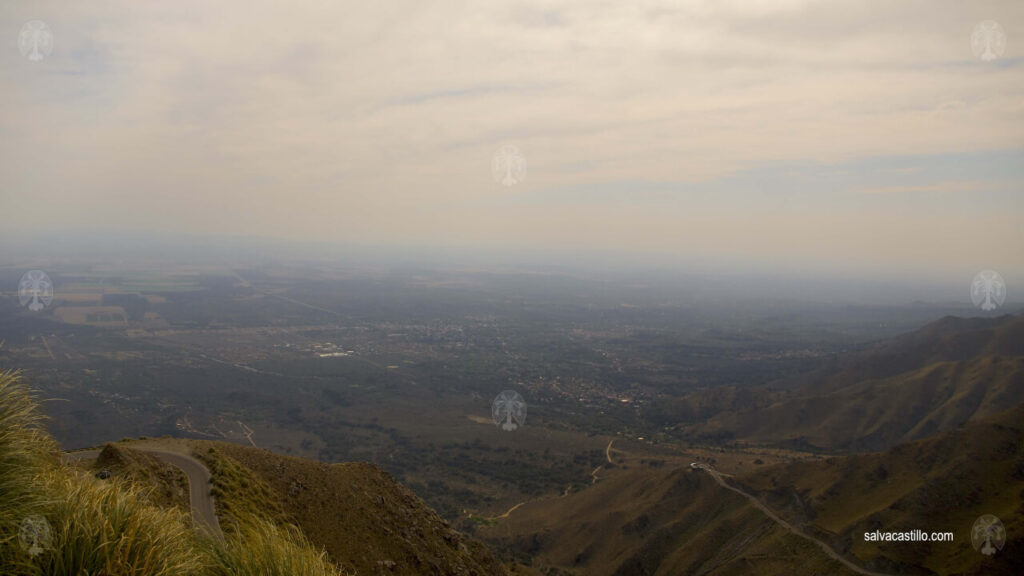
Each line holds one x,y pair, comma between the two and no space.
16,249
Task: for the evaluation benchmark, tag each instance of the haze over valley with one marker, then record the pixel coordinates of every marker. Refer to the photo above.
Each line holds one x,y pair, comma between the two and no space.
516,288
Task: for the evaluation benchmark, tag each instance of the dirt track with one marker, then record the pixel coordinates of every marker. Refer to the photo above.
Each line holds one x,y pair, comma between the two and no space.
760,506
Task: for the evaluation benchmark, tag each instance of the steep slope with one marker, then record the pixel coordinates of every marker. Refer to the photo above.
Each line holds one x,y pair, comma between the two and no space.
56,520
661,522
875,414
940,484
164,485
953,371
365,520
656,522
949,339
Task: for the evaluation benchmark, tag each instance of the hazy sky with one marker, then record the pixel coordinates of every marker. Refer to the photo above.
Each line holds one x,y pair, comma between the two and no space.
847,135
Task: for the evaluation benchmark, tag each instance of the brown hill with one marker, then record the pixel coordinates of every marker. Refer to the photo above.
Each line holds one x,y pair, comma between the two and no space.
874,414
163,484
950,372
680,521
656,522
363,518
950,339
940,484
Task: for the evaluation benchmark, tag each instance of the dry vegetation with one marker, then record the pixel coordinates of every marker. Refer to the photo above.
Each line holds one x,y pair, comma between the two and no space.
109,526
356,511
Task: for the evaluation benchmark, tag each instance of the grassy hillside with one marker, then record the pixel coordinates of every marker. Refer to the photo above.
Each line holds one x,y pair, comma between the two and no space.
934,380
950,339
875,414
160,483
56,520
281,516
656,522
357,512
939,484
651,521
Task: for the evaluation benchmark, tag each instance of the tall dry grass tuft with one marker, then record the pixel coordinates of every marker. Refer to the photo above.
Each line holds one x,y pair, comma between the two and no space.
25,451
260,548
106,527
25,446
91,527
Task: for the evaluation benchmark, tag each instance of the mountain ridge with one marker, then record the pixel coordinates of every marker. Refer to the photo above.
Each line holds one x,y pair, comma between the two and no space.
668,521
949,372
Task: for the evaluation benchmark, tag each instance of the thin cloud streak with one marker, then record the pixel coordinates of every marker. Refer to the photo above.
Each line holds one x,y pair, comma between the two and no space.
939,187
376,123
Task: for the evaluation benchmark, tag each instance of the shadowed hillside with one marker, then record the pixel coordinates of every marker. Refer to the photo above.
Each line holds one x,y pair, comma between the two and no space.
939,484
356,511
950,372
280,515
164,485
664,522
680,521
55,520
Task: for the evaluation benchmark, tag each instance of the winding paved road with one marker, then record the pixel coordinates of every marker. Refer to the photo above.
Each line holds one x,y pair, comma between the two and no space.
204,515
763,508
